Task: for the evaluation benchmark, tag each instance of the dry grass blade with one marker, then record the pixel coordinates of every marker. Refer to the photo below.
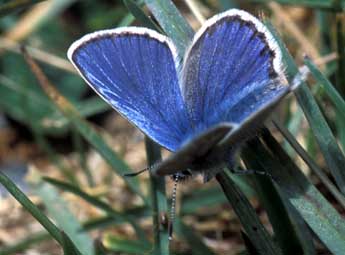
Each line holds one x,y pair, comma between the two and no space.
38,54
294,30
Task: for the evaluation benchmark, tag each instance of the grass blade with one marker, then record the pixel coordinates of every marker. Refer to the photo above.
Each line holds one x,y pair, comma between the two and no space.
290,230
66,221
333,94
140,15
311,163
24,244
196,244
31,207
117,245
329,147
97,203
172,22
317,4
16,5
86,108
159,201
319,214
249,219
68,247
213,196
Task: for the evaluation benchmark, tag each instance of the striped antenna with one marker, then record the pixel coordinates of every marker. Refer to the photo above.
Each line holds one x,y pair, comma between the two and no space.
173,207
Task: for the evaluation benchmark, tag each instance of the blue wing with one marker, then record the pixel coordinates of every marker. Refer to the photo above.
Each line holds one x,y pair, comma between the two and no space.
232,70
133,69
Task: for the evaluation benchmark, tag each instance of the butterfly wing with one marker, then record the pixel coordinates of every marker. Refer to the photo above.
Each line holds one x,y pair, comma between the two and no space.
232,70
193,151
134,70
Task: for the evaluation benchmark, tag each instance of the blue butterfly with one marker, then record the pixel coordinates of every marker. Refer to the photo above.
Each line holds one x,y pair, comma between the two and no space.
203,108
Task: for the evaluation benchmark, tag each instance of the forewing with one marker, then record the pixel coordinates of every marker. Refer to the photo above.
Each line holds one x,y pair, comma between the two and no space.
134,70
232,68
194,150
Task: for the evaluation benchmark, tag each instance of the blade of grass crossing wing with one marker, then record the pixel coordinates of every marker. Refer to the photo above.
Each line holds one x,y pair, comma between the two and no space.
159,201
248,217
140,15
172,22
329,147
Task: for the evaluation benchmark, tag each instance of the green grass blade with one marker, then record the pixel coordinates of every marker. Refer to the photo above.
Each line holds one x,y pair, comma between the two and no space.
331,91
118,245
159,201
140,15
290,231
66,221
311,163
86,108
126,21
53,156
22,245
78,144
31,207
257,233
16,5
319,214
207,197
100,250
329,147
316,4
196,244
172,22
340,40
227,4
91,135
97,203
68,247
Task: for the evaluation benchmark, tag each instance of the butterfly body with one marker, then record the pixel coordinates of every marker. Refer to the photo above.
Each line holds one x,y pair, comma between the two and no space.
202,110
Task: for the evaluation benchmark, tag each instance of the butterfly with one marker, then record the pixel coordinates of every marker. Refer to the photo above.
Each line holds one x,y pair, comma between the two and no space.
203,107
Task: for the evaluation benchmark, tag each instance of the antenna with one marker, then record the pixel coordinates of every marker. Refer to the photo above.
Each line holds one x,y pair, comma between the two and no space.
173,207
136,173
